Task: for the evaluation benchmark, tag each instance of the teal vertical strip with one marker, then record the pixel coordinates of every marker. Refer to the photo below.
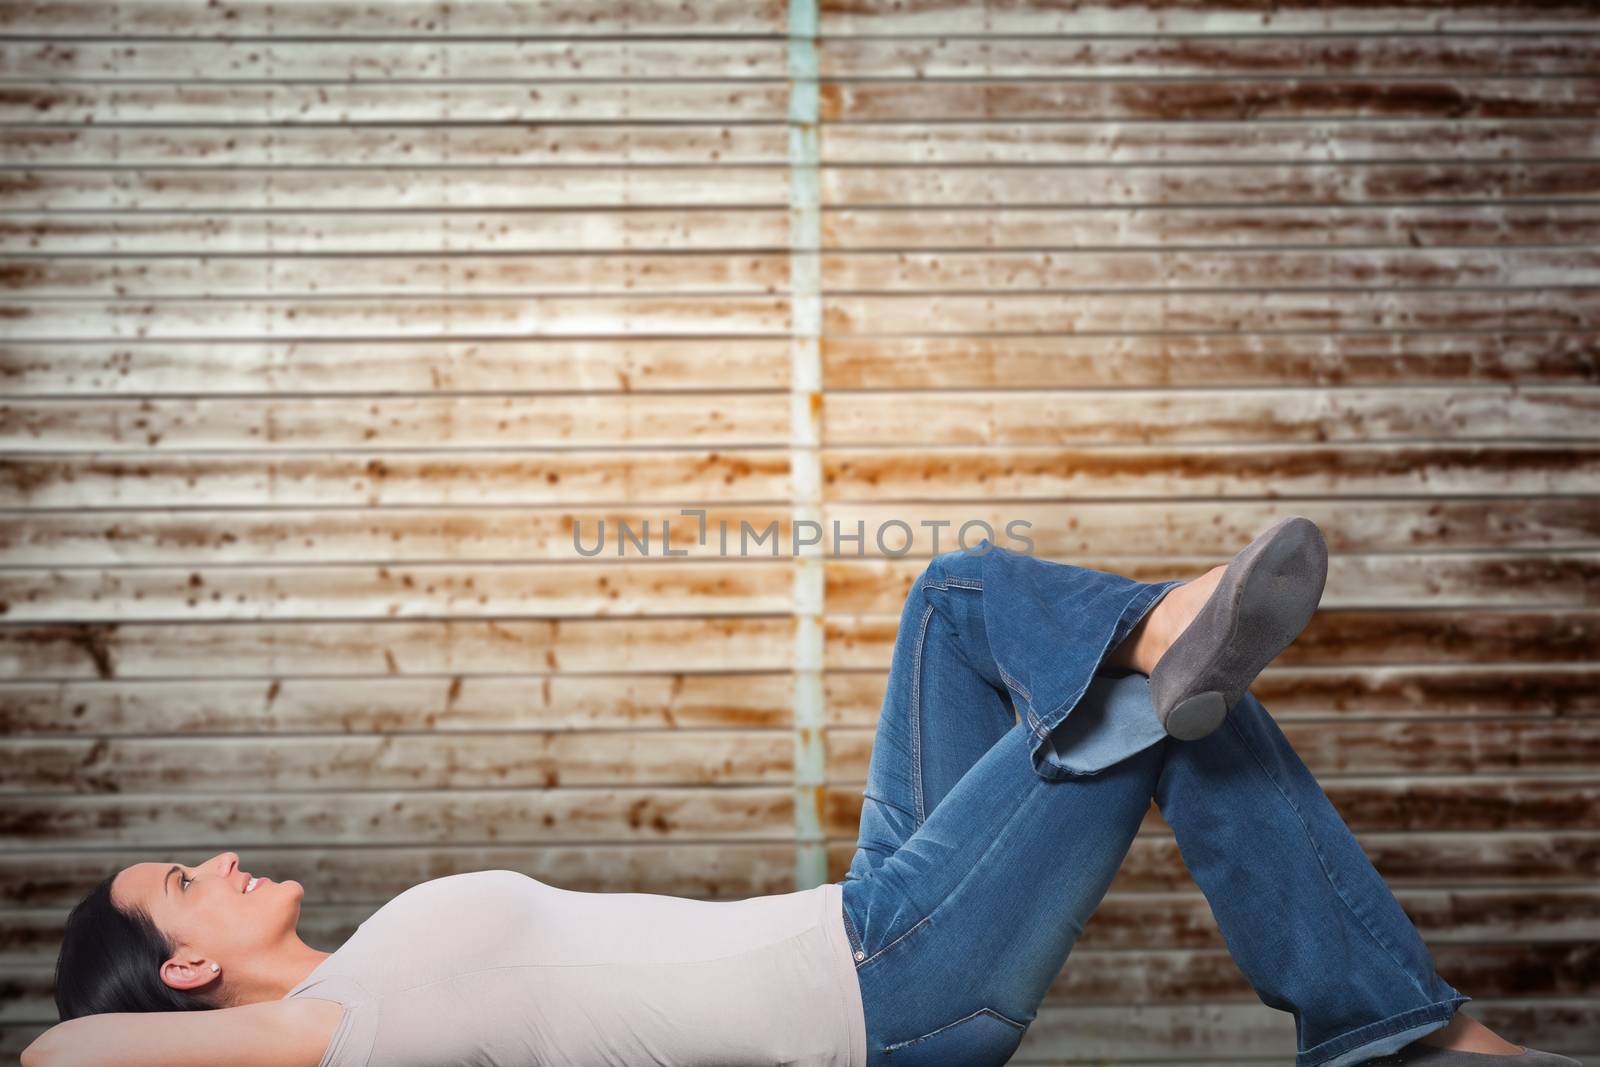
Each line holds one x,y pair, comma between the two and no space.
805,440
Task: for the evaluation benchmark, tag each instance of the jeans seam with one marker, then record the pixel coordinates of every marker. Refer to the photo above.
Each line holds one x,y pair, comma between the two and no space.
851,935
911,930
1035,727
916,717
960,583
1321,860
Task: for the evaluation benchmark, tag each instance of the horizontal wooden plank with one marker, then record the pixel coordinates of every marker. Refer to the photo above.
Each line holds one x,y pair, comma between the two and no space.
317,319
916,186
880,586
1127,56
543,144
1004,272
575,590
838,58
1081,141
1108,534
65,651
431,232
628,364
1044,312
379,537
466,274
480,817
399,18
1035,142
682,57
1103,270
683,479
342,102
396,647
480,188
353,188
855,698
145,368
1265,225
1171,360
1422,746
883,313
686,700
521,421
970,417
716,586
530,758
953,18
677,478
293,233
521,759
1131,100
1217,471
1123,416
876,100
438,706
1339,637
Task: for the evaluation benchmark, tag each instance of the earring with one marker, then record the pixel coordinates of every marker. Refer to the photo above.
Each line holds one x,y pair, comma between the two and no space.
214,967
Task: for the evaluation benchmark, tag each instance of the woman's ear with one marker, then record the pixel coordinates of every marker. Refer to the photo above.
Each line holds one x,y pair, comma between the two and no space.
189,972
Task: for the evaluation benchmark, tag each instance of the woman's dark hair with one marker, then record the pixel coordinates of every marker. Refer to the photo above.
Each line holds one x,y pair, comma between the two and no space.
111,961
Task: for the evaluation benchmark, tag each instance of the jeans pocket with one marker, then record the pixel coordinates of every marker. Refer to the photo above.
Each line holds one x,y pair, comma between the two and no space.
983,1039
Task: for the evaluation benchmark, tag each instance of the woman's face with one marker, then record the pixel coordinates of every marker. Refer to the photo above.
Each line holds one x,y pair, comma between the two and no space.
207,914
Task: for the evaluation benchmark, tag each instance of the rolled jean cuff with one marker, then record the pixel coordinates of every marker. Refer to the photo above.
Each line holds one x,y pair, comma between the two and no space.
1382,1037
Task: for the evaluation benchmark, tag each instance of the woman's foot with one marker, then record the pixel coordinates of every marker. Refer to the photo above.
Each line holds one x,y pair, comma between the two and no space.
1147,642
1466,1034
1209,638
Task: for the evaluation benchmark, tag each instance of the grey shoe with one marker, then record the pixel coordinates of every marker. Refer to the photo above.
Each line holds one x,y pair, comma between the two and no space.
1265,598
1417,1054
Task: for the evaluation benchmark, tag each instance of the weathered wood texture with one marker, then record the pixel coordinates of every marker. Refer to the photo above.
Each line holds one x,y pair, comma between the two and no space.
325,328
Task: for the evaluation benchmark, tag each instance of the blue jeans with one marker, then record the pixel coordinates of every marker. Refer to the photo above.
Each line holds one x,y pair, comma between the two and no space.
979,861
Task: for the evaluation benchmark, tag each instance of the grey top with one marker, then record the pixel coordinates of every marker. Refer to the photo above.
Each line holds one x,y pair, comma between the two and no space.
497,968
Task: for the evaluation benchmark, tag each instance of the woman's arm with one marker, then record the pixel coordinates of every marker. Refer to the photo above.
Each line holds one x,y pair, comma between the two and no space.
273,1033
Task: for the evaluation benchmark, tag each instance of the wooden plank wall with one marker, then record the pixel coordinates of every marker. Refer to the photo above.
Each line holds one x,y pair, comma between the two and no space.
325,323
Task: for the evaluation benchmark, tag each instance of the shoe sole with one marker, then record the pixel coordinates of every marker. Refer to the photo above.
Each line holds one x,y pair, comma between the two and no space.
1266,597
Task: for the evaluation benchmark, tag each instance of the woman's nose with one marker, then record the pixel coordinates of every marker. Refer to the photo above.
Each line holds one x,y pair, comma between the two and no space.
228,861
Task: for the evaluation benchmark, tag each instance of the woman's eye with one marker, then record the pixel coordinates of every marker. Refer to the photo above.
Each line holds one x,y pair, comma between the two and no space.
185,881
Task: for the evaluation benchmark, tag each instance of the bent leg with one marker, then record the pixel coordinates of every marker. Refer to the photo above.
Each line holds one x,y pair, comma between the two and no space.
944,707
974,873
949,698
959,934
1307,918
